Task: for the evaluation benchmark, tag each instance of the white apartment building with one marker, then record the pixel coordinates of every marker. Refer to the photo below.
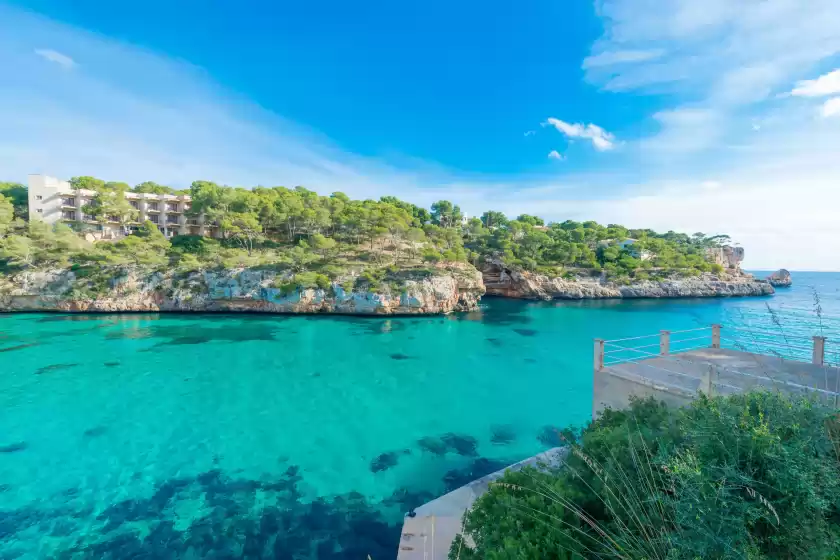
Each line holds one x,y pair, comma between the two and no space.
53,200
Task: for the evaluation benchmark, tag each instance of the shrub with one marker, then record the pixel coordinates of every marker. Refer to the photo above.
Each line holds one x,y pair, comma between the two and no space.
747,476
717,268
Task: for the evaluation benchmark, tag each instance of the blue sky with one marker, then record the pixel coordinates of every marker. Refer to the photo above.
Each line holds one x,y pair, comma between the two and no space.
720,117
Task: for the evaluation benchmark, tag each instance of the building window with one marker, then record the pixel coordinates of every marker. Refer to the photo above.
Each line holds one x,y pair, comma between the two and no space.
193,221
39,197
40,210
171,219
151,205
87,217
135,204
68,215
68,201
154,219
170,207
113,218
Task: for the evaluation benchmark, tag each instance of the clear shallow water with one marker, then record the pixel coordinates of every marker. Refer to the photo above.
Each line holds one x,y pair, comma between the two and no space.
220,436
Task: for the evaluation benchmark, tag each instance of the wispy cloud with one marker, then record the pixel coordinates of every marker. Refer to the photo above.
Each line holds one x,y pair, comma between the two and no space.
554,154
530,133
616,58
56,57
831,108
827,84
600,138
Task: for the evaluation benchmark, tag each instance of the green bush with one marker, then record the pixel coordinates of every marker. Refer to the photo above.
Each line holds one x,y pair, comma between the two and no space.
750,476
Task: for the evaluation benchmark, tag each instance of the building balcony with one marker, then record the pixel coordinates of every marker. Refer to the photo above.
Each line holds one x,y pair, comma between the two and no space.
173,208
69,202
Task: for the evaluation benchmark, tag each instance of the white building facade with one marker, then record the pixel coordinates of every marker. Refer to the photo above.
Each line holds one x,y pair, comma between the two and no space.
53,200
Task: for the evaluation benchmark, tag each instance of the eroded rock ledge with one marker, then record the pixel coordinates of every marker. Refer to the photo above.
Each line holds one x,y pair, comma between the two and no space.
132,289
502,281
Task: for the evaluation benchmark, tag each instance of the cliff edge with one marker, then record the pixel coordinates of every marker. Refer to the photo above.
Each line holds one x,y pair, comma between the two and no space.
507,282
130,289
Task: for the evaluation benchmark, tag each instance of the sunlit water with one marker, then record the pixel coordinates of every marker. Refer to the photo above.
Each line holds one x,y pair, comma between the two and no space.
222,436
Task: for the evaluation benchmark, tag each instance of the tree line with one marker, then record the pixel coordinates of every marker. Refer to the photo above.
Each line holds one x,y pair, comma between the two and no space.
262,222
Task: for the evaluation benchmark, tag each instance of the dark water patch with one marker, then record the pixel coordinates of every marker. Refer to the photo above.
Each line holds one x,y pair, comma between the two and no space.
550,436
234,517
73,317
478,468
5,488
399,356
502,435
234,525
96,431
14,447
387,460
18,347
525,332
433,445
531,360
461,444
501,311
495,342
111,364
54,367
367,325
197,333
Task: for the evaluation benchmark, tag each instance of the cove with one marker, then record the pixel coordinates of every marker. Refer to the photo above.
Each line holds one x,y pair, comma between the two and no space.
254,436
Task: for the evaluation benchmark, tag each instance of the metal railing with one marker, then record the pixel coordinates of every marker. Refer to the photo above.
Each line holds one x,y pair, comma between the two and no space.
817,349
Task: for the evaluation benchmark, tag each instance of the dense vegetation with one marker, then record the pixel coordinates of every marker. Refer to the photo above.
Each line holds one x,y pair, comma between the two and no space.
754,476
325,235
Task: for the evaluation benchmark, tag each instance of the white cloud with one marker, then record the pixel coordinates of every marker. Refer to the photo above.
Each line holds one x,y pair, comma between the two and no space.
56,57
827,84
600,138
554,154
831,108
711,185
612,58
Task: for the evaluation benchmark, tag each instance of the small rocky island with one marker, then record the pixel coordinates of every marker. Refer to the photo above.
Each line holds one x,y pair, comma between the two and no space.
780,279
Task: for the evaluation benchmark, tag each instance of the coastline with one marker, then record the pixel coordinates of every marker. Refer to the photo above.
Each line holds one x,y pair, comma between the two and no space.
244,290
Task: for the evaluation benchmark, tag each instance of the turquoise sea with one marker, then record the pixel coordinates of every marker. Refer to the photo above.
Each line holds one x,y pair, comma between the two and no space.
249,436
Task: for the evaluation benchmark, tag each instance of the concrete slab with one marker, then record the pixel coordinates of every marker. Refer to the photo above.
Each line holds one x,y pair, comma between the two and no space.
677,378
429,534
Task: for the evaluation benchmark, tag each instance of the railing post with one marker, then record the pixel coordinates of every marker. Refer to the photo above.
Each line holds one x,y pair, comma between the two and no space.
599,354
715,336
664,342
707,383
818,356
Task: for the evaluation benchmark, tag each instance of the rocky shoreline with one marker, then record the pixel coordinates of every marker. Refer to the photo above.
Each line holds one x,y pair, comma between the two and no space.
135,289
502,281
452,288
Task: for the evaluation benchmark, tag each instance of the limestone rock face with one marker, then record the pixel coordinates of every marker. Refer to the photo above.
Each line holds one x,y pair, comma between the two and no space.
453,288
728,257
780,279
502,281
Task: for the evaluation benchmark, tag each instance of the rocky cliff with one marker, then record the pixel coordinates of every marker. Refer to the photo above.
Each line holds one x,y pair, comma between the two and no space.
502,281
453,288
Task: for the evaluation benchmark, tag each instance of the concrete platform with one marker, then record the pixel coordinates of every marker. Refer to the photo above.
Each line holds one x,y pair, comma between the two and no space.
677,378
429,534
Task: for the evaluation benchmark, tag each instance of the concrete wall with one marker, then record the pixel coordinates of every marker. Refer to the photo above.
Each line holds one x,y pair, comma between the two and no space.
613,390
